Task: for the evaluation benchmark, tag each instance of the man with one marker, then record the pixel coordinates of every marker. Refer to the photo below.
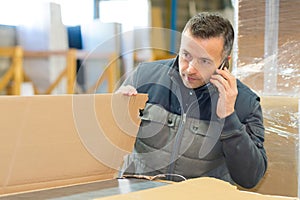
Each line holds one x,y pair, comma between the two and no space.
199,119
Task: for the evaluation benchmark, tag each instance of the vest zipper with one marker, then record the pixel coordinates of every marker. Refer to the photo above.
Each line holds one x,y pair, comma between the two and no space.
178,138
175,151
183,118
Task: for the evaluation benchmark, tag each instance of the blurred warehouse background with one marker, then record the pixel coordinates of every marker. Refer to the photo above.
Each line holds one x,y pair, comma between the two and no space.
110,37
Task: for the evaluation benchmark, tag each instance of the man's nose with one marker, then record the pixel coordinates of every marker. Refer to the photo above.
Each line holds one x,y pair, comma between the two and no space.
192,66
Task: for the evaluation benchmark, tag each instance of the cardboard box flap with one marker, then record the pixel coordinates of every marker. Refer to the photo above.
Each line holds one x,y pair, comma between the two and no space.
199,188
50,141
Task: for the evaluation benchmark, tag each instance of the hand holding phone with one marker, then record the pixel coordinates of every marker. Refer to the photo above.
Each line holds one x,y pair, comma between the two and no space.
226,84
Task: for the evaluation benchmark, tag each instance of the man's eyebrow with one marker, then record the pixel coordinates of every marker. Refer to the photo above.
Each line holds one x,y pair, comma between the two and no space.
184,50
206,58
201,57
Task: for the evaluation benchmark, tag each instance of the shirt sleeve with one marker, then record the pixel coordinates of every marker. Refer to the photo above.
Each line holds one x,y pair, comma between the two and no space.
243,147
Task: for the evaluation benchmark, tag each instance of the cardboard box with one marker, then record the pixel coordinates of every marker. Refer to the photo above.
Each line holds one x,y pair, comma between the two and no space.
252,27
56,141
281,119
51,141
268,47
199,188
268,62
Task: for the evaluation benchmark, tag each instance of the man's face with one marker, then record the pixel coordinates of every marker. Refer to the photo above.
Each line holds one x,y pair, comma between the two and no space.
198,59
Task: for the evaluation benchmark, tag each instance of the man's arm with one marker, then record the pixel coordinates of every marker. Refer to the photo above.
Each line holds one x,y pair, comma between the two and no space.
243,147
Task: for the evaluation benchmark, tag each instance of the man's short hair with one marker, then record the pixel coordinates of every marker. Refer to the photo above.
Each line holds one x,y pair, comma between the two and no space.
209,25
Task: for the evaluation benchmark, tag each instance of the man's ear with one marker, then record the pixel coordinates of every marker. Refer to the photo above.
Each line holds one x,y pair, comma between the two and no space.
229,57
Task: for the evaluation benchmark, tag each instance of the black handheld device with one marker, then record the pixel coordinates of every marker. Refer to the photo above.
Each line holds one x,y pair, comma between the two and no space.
225,64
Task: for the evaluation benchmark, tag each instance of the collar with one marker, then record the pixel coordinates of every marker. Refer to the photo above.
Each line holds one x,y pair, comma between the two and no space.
174,70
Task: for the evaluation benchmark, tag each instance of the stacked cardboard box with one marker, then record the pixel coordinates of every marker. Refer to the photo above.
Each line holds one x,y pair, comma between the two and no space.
275,74
254,60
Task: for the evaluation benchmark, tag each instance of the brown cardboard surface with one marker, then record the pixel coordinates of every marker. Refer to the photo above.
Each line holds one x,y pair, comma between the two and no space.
281,142
55,141
50,141
200,188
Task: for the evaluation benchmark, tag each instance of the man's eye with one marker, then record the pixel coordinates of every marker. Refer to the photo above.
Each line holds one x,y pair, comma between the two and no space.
205,61
187,55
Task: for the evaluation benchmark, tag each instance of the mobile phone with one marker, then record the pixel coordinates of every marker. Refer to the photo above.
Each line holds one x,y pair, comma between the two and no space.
225,64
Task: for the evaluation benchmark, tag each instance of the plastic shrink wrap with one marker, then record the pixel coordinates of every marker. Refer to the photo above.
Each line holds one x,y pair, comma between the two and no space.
267,58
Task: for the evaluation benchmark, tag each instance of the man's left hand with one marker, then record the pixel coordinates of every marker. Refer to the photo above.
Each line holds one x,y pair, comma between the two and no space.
227,87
